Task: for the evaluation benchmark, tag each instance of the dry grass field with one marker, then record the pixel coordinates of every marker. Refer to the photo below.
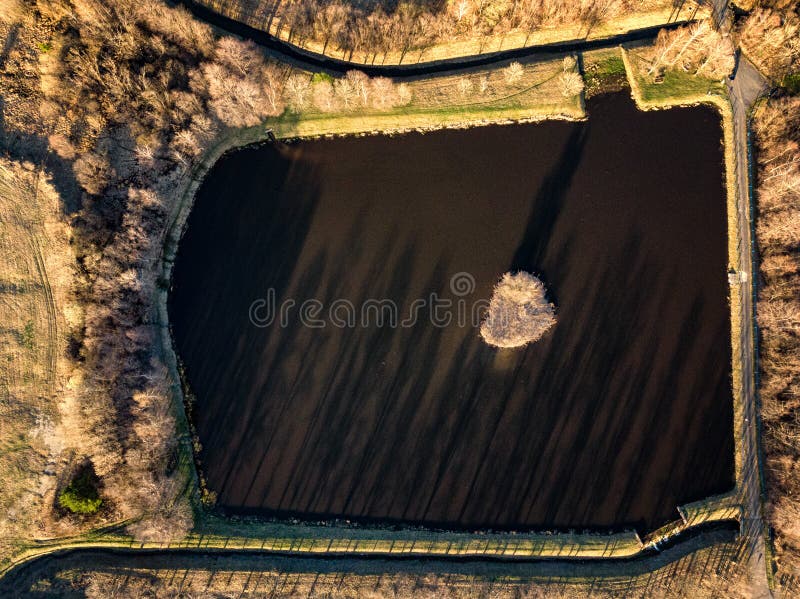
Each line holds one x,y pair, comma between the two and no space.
35,274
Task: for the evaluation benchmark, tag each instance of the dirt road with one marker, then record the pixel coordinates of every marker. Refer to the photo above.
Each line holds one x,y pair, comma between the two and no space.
305,59
744,89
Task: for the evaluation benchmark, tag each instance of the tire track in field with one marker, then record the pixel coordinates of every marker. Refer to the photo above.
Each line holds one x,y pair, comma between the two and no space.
50,305
52,326
35,248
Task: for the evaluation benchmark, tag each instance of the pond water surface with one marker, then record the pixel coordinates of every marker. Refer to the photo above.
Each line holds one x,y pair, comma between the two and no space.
622,412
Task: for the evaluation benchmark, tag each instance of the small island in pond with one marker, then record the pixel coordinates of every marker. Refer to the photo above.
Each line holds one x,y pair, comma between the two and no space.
519,312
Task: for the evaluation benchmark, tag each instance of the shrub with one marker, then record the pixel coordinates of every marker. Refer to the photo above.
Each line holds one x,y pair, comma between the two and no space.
28,336
513,72
81,496
319,77
519,312
571,84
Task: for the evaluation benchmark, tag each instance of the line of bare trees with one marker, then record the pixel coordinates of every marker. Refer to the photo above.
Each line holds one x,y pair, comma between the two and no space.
353,91
777,129
371,29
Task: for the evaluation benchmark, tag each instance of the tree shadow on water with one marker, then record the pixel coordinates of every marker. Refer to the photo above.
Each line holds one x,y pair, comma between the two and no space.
548,203
206,283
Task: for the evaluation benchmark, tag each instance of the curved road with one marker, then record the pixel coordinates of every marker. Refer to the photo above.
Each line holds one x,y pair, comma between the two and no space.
315,62
623,570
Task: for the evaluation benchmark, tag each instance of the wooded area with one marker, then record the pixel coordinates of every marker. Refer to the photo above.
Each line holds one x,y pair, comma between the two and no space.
698,49
777,129
120,99
771,38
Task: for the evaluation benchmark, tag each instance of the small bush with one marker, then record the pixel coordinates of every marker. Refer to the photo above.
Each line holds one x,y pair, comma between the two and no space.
791,83
513,72
519,312
28,336
81,496
320,77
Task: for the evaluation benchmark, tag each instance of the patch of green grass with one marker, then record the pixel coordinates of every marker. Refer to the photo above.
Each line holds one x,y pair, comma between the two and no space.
610,67
677,84
791,83
28,336
44,47
81,496
320,77
607,74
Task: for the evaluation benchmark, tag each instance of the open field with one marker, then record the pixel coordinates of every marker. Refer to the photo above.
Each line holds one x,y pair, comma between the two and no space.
34,278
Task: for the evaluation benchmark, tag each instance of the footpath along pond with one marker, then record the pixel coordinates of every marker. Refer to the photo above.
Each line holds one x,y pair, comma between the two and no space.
325,302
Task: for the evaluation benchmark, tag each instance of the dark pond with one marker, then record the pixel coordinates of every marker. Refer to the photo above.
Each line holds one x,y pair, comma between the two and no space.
622,412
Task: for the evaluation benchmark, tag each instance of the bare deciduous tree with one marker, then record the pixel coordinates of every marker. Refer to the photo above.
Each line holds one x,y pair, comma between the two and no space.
772,39
324,97
519,312
243,88
698,49
464,86
777,129
298,91
513,72
570,83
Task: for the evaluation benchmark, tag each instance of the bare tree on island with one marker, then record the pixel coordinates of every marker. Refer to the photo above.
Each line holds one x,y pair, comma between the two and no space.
519,312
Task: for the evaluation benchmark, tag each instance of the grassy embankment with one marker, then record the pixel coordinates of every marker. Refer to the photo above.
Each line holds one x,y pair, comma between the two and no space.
683,89
465,46
604,71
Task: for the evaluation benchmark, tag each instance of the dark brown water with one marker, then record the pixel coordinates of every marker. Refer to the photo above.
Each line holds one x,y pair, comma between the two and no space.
619,414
